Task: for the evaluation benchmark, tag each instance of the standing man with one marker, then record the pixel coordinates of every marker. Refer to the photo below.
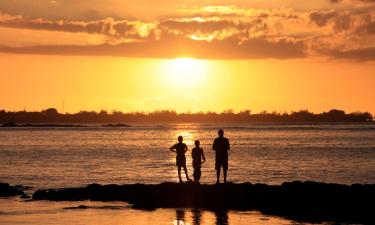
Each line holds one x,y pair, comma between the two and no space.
221,147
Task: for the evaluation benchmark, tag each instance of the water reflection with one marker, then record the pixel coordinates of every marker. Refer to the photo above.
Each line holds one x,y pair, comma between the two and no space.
197,216
221,218
15,211
180,217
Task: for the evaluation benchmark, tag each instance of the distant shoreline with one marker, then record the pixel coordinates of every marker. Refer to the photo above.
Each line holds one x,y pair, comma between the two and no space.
13,124
52,116
120,125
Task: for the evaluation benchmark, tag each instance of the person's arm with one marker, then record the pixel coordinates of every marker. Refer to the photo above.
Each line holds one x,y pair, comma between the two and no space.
186,148
203,157
228,144
173,148
214,146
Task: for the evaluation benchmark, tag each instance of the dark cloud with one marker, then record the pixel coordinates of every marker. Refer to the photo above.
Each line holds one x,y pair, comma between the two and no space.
338,1
322,18
340,20
173,47
365,54
107,26
367,28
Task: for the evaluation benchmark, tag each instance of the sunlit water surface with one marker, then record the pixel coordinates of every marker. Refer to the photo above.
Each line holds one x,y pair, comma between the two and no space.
66,157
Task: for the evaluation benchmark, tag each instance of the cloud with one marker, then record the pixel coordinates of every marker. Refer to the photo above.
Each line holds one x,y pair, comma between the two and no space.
322,18
13,37
177,47
215,32
365,1
365,54
108,26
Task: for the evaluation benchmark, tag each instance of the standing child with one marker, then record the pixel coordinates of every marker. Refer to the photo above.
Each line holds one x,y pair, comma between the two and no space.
197,155
180,148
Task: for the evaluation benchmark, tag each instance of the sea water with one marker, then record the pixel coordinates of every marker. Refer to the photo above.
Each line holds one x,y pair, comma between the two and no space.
76,156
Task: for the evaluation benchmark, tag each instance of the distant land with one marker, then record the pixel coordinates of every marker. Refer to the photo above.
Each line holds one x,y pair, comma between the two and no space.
116,118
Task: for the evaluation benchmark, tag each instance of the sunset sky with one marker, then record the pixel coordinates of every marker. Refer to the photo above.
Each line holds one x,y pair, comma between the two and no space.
191,55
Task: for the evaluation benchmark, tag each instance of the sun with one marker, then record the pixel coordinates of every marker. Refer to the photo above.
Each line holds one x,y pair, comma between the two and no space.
185,72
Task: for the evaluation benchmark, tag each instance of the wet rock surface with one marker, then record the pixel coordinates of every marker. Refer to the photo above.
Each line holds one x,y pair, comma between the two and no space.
305,201
7,191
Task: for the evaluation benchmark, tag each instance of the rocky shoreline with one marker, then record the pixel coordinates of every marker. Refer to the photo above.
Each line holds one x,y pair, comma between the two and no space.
301,201
307,201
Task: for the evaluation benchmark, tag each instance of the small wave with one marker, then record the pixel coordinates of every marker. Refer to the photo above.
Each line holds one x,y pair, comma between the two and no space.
283,128
105,207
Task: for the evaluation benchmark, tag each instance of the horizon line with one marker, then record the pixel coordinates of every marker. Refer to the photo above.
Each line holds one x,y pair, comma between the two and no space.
225,111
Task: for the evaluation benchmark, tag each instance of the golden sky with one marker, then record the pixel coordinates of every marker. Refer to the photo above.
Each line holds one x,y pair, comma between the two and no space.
187,55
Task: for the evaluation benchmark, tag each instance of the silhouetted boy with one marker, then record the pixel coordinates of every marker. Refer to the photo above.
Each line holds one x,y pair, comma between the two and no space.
180,148
197,155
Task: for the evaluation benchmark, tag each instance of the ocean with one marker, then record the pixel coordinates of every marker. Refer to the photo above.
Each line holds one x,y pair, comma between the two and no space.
58,157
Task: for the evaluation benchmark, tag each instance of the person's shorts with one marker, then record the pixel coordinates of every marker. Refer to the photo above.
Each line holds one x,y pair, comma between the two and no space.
221,162
197,174
181,161
197,165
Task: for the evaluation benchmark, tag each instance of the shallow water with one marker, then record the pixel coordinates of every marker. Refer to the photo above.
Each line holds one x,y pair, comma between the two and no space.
14,211
61,157
66,157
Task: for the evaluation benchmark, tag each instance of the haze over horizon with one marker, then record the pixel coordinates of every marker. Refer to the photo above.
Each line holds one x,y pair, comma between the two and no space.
187,55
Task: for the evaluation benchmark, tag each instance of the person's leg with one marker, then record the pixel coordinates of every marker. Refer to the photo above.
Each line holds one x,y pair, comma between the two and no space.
225,169
218,175
186,173
199,175
179,174
217,168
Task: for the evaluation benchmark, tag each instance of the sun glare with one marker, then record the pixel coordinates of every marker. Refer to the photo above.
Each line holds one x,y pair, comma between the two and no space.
186,72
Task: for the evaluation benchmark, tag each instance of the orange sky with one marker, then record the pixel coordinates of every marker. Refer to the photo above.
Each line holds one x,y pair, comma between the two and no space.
187,55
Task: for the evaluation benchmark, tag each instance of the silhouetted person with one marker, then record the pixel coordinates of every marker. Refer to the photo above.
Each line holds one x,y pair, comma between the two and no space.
221,147
198,155
180,148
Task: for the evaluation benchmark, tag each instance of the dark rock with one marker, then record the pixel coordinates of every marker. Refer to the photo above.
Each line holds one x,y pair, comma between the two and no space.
9,124
13,124
116,125
51,125
25,196
6,190
304,201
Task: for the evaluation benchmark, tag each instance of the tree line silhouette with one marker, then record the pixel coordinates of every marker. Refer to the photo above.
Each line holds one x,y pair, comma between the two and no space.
51,115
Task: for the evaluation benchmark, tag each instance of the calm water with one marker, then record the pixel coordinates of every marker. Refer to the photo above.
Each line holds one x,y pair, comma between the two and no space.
66,157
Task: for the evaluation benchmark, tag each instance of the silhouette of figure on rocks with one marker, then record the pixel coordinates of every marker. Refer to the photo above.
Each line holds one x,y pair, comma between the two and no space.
221,146
198,155
180,148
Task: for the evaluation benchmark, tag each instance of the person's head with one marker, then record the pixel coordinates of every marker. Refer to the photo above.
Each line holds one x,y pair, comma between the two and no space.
221,133
180,139
197,143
